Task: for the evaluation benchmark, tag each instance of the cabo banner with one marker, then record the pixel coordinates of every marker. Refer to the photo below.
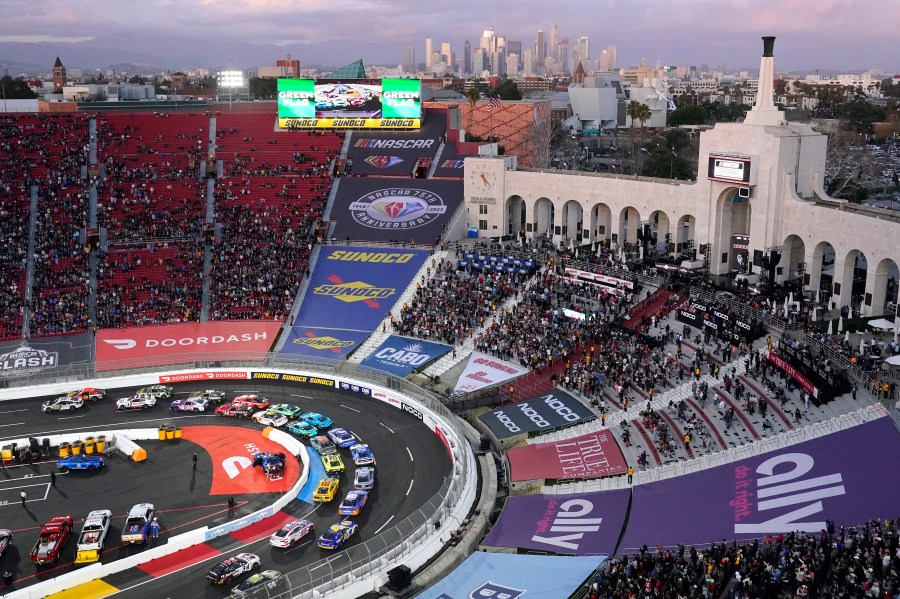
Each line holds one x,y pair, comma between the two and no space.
552,410
575,524
182,343
401,355
350,293
849,477
483,371
589,456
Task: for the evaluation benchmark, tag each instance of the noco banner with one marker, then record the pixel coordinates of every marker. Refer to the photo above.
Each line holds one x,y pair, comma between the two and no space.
592,455
849,477
483,371
576,524
401,355
374,209
182,343
43,355
361,104
350,293
556,409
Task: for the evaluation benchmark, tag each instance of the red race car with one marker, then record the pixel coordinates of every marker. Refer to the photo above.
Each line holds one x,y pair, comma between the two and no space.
257,402
234,410
53,537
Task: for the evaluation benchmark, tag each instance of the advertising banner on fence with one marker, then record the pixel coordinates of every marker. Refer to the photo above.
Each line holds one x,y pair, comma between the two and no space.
218,375
43,355
848,477
401,355
351,291
182,343
552,410
577,524
509,576
589,456
484,371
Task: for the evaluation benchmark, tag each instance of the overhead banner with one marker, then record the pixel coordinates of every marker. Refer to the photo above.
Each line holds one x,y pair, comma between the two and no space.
351,291
576,524
483,371
375,153
188,342
849,477
553,410
44,355
401,355
375,209
510,576
592,455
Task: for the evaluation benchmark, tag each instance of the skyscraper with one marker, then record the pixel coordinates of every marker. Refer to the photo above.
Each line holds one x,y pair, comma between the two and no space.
512,65
515,47
540,48
528,67
409,59
581,53
563,57
553,50
428,51
488,41
467,57
446,53
611,60
478,61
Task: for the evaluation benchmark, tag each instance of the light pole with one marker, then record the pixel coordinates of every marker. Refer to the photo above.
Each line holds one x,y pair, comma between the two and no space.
231,80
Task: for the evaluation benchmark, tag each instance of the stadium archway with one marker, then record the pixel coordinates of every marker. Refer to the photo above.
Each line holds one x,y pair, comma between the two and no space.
572,223
516,215
733,217
881,288
685,231
544,217
821,268
659,229
793,254
601,223
851,274
629,223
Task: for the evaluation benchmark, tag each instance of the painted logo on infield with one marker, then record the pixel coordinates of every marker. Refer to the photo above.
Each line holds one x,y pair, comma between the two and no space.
397,208
383,161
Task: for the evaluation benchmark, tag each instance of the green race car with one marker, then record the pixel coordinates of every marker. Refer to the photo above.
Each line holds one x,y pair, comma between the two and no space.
302,428
286,409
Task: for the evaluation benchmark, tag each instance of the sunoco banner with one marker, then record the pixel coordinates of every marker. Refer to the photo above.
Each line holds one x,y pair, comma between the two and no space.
43,355
484,371
401,355
552,410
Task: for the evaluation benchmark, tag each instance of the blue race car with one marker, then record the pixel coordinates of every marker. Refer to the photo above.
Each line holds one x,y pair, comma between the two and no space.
80,462
353,503
316,419
271,463
302,428
338,534
342,437
362,455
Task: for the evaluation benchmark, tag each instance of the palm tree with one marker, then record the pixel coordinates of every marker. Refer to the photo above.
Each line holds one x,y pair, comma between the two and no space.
634,113
472,95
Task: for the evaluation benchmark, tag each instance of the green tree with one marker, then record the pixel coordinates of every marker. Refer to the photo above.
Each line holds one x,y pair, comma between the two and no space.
508,90
637,112
472,95
667,156
263,89
137,80
16,89
686,115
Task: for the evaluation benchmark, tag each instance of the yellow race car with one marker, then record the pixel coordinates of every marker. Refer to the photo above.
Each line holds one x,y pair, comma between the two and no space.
327,489
333,463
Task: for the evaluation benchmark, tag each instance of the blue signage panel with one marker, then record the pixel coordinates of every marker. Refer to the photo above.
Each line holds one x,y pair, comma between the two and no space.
401,355
323,342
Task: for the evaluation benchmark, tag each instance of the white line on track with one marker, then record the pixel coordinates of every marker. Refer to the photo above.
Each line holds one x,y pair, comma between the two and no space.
14,411
13,424
357,436
410,455
70,417
380,529
410,487
349,408
104,426
387,427
303,396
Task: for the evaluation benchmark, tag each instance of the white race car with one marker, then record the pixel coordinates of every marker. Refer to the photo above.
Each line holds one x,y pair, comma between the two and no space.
191,404
139,401
61,404
270,418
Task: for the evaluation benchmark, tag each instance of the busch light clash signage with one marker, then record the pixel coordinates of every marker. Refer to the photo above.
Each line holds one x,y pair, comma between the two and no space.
26,359
483,371
553,410
401,355
19,358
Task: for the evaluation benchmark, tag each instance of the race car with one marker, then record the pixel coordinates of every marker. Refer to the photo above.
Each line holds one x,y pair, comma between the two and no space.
210,395
191,404
6,538
88,394
62,404
137,524
271,463
254,401
316,419
323,444
327,489
270,418
234,410
364,478
80,462
287,410
138,401
157,391
353,503
362,455
93,535
338,534
342,437
291,533
333,463
229,569
54,535
302,428
273,581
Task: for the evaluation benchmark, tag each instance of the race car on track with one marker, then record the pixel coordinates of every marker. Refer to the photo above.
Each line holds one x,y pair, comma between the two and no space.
270,418
302,428
316,419
342,437
323,444
88,394
291,533
138,401
81,462
338,534
191,404
210,395
62,404
254,401
6,538
234,410
333,463
353,503
54,535
93,535
273,581
229,569
327,489
157,391
287,410
271,463
137,525
364,478
362,455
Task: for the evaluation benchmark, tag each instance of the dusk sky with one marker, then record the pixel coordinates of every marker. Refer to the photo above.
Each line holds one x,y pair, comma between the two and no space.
839,34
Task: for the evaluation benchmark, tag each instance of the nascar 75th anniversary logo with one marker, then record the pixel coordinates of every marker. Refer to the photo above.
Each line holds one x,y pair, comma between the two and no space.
397,208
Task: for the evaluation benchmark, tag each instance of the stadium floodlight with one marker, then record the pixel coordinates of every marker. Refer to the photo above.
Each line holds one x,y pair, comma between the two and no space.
231,80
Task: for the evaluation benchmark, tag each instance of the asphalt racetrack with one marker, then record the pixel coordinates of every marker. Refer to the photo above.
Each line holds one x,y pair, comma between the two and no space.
411,464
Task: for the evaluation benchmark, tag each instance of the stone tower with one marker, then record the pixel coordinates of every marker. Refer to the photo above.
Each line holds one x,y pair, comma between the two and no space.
59,76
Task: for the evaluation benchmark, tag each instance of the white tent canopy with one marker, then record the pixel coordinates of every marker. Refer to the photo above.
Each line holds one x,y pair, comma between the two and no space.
882,323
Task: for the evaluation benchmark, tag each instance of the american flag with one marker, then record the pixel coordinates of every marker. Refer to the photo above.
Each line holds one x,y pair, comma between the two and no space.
493,103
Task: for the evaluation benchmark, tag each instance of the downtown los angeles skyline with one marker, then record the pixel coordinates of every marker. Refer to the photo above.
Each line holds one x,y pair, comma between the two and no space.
828,34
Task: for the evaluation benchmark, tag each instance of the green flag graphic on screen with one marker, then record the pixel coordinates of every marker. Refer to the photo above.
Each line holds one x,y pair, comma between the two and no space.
297,99
401,99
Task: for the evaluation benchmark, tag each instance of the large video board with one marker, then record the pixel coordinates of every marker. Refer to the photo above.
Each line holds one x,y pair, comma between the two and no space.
356,104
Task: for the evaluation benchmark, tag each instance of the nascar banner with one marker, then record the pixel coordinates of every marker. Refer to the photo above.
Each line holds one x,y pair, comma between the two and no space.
348,123
401,355
484,371
350,293
377,153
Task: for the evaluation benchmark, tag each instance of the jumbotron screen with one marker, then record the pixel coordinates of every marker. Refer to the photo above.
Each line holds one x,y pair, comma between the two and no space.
355,104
